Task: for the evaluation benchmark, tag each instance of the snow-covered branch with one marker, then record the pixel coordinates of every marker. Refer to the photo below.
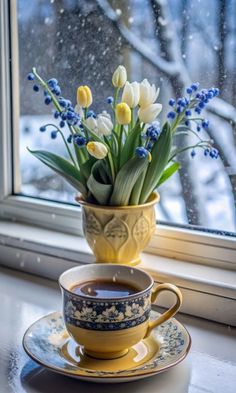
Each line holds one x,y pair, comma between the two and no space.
166,68
222,109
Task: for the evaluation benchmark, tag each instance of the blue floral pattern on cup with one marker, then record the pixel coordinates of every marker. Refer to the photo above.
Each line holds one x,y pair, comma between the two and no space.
106,315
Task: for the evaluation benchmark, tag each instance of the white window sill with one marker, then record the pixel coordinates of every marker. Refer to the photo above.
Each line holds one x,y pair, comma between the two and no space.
209,292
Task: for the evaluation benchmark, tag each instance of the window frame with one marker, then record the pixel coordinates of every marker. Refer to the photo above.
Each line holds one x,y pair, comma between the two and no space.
173,242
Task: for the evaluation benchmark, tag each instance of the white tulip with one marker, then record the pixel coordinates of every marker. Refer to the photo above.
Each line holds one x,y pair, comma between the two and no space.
78,109
119,77
131,94
97,150
148,93
92,123
149,113
104,124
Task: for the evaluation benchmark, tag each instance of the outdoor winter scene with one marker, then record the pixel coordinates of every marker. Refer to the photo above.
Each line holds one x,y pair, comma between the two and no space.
173,43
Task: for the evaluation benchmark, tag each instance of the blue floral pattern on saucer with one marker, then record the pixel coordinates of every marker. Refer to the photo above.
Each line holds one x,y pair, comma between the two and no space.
47,338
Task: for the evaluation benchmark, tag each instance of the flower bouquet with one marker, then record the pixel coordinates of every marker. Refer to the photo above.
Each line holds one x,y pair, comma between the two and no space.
117,158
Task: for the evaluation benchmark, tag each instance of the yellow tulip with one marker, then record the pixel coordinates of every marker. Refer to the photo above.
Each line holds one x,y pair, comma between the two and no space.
119,77
123,113
97,150
84,96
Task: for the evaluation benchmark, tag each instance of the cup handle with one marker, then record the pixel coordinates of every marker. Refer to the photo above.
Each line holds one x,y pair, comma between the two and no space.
169,313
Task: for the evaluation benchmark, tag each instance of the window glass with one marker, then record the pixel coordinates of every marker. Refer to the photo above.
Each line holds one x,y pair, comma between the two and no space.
82,42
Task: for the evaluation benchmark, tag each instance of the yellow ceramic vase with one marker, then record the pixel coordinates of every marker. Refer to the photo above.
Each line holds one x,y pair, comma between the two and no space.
118,234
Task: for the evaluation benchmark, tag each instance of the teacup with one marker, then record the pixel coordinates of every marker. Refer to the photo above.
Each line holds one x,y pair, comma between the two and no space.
108,327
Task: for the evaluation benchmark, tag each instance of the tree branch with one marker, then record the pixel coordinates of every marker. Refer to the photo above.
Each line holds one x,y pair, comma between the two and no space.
165,67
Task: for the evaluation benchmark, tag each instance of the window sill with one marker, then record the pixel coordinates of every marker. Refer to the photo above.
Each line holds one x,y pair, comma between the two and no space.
209,292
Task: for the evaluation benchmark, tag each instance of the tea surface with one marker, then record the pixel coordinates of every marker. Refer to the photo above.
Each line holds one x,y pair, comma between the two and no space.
104,289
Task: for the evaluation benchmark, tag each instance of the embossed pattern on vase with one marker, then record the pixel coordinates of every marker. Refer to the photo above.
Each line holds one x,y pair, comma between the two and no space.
116,235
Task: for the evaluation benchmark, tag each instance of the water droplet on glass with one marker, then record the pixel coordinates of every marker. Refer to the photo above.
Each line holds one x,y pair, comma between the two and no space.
53,216
89,290
38,259
130,20
184,56
131,271
118,12
17,255
22,264
216,47
114,278
61,11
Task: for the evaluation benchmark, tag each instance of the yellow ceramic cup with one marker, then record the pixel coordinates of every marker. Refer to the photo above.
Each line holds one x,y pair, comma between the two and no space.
107,328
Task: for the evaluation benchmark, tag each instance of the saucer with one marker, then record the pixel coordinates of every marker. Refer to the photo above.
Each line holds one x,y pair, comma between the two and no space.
48,343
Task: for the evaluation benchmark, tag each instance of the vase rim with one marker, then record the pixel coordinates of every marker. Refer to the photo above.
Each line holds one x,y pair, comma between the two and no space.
153,199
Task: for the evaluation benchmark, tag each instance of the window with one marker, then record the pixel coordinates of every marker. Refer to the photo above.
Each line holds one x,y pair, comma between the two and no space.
171,43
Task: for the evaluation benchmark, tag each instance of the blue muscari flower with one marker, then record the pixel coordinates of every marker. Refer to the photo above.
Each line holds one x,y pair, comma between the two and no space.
62,124
210,94
80,141
153,132
52,83
179,109
216,92
186,101
188,112
64,115
70,115
56,114
198,110
189,90
56,91
69,139
149,146
90,114
42,129
194,86
141,152
187,123
110,100
30,76
198,128
180,101
48,100
214,153
206,151
205,123
193,153
36,88
53,134
171,115
201,104
62,102
172,102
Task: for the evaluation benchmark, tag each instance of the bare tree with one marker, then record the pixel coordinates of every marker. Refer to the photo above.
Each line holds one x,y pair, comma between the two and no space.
171,66
221,53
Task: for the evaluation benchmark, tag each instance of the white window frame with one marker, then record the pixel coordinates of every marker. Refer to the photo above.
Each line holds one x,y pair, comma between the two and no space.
173,242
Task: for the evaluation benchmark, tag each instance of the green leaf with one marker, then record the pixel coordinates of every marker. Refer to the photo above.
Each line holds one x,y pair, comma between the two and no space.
126,179
160,155
100,191
168,172
130,145
63,167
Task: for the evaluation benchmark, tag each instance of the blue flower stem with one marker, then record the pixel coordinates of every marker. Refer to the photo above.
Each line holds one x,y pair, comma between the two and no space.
45,86
199,144
186,133
64,140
